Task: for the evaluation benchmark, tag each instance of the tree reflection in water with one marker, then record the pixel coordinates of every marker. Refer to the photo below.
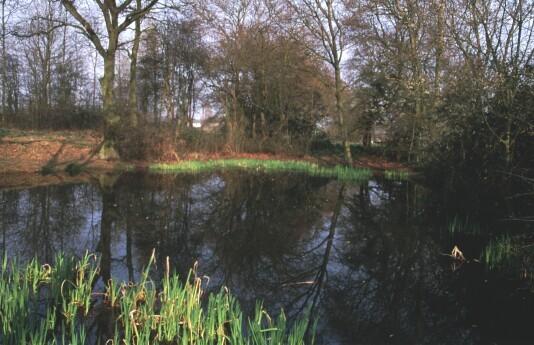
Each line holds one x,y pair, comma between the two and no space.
45,220
362,256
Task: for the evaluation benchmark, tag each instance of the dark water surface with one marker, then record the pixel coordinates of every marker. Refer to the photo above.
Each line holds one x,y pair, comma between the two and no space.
368,257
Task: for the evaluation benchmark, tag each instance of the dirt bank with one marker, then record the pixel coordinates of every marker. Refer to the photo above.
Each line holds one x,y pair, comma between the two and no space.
28,151
24,154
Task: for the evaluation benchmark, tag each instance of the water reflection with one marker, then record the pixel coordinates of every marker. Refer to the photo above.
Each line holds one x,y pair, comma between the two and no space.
363,256
43,221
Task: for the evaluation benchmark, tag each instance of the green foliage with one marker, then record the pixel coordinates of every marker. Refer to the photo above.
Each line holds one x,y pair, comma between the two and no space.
174,313
498,252
269,166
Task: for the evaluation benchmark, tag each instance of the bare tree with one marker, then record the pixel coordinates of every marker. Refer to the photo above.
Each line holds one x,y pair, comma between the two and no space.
323,21
117,18
401,46
496,41
8,9
265,81
228,21
172,66
41,40
132,85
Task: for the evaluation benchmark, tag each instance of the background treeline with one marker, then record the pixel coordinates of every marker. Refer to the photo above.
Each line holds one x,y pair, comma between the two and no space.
437,81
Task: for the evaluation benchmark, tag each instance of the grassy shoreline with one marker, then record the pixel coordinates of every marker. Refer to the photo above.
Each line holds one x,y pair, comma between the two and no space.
313,169
267,165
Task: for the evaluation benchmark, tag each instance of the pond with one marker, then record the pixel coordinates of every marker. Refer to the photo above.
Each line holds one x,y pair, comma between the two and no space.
369,257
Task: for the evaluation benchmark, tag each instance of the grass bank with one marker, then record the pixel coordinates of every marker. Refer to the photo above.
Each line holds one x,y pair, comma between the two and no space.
56,304
313,169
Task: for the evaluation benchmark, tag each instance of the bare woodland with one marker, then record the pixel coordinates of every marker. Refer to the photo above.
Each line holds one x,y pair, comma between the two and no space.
448,82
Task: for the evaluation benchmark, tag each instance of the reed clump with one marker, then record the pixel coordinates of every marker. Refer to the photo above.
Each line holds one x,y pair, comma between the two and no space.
338,172
499,251
51,304
464,226
507,249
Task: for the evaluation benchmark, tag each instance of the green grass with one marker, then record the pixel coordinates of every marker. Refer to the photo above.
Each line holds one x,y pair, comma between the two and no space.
397,175
52,304
338,172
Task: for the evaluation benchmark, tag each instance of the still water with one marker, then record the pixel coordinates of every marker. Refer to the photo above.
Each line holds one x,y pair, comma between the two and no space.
368,257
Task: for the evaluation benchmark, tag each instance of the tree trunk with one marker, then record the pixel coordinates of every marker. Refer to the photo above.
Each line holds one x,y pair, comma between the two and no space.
4,79
111,118
111,13
440,49
367,136
132,86
340,116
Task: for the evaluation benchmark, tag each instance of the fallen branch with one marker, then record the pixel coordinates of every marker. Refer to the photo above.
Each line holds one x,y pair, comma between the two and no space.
456,254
